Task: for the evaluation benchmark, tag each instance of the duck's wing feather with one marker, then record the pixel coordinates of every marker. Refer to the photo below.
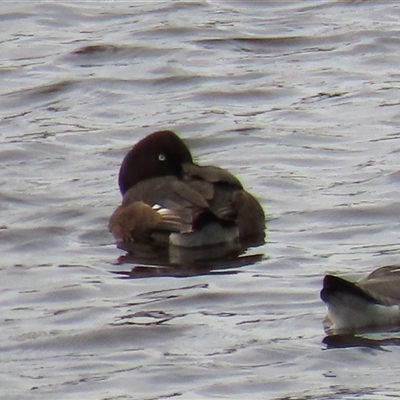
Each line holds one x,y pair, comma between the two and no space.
209,173
171,193
219,187
188,198
383,283
178,202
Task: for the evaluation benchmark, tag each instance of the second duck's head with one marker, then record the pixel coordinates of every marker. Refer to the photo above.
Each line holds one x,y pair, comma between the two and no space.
161,153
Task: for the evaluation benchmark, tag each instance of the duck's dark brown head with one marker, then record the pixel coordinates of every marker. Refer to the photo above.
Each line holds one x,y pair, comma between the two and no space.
160,154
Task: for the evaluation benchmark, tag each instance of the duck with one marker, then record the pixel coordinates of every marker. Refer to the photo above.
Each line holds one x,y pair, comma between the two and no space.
168,200
371,303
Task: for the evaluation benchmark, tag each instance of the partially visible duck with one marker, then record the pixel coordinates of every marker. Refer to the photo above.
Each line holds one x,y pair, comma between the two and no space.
372,302
169,200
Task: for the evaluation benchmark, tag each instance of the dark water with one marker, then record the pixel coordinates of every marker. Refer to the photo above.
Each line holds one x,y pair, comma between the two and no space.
299,99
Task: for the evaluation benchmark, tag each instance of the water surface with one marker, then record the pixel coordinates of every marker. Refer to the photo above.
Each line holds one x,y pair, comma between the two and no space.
299,99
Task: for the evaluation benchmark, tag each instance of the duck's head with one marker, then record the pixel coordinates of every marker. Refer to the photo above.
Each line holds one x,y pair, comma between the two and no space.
161,153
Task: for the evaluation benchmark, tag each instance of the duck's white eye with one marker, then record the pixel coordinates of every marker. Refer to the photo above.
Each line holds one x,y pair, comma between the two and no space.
162,157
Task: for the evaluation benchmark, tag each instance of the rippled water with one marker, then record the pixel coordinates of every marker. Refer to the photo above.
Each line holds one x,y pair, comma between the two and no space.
299,99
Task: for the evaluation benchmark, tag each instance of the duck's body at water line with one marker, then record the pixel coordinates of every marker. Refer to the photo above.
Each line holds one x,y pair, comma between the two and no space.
169,200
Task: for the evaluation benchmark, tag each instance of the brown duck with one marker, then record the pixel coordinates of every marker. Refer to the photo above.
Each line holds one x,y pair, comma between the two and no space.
169,200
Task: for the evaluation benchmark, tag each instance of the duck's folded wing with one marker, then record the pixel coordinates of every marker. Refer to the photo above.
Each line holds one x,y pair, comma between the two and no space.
151,191
178,200
170,192
209,173
219,187
384,283
208,191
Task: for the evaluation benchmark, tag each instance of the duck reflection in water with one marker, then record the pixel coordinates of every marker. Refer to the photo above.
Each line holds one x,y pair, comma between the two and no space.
178,214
